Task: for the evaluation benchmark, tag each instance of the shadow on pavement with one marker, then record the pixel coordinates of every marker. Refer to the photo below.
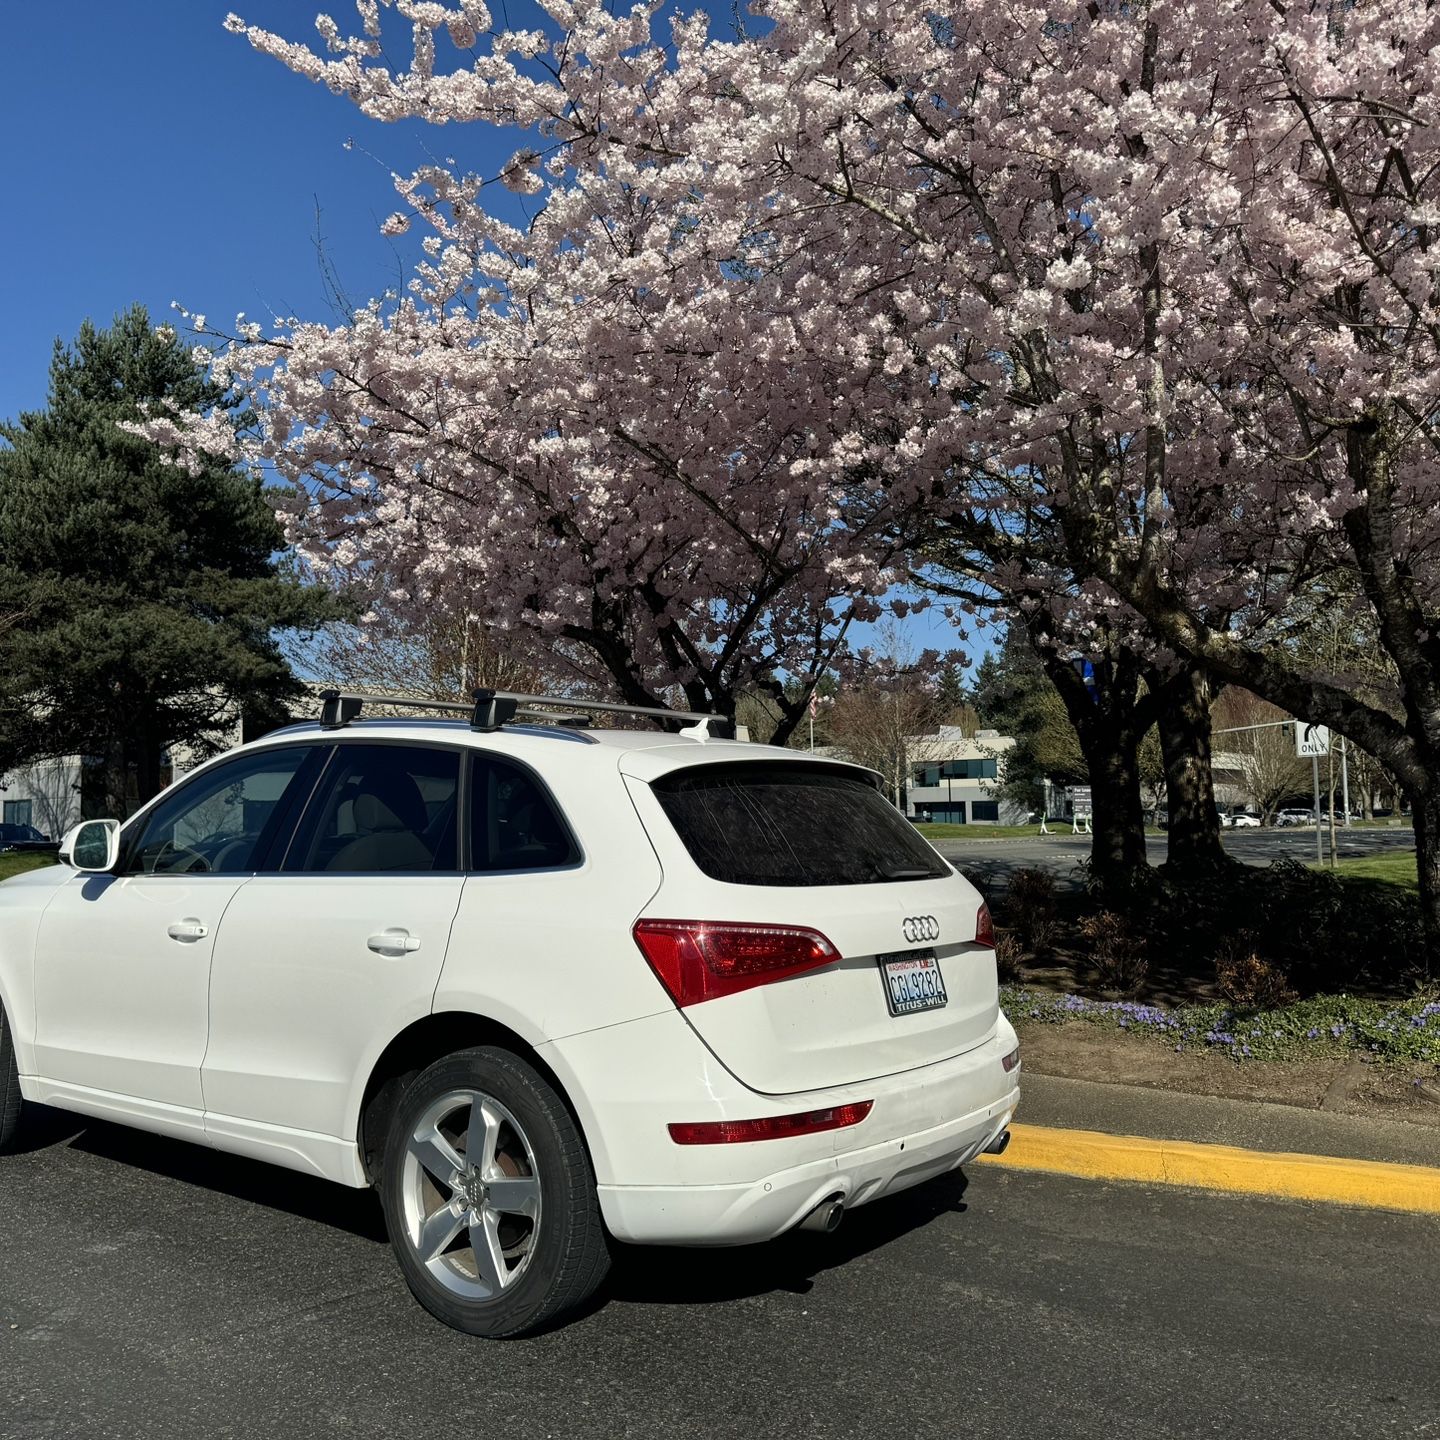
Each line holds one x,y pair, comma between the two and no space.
641,1274
667,1276
356,1212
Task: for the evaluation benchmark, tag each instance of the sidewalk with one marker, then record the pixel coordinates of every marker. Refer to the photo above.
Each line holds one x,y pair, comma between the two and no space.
1126,1133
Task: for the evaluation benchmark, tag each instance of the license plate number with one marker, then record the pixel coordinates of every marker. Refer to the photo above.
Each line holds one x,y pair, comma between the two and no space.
912,982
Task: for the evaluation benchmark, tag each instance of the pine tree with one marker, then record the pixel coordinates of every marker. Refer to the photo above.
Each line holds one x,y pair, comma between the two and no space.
1016,697
139,603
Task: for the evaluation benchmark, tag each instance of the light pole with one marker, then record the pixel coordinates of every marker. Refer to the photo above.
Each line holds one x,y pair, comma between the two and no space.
1345,777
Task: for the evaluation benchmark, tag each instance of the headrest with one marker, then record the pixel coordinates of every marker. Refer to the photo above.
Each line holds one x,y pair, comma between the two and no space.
389,800
372,814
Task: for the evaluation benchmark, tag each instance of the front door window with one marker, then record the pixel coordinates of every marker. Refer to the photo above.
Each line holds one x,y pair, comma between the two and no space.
221,821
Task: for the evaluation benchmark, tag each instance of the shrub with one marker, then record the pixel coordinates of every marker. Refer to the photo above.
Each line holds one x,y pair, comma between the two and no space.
1008,959
1323,932
1247,980
1117,952
1030,902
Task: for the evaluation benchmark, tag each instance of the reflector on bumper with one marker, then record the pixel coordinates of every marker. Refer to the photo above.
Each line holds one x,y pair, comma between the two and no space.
774,1127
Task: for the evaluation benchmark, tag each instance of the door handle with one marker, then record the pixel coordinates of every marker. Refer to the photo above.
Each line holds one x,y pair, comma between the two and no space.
393,942
187,930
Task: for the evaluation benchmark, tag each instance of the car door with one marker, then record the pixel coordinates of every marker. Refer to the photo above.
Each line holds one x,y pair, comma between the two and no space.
122,971
318,966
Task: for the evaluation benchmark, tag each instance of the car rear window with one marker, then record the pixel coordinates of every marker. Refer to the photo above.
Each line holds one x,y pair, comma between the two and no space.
767,823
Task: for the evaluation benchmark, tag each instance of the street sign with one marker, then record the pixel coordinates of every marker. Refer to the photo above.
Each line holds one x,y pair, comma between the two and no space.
1311,740
1086,671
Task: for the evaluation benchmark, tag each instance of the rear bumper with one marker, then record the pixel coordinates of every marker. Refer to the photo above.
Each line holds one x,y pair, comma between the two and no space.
924,1122
761,1209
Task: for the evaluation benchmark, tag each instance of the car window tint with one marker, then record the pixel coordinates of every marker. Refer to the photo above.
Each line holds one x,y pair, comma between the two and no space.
219,821
514,824
380,809
767,823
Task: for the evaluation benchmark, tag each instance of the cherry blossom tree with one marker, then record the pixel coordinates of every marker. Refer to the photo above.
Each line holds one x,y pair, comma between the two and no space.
751,155
1154,278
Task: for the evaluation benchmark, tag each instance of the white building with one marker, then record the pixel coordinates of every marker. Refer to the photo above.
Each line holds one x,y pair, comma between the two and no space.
45,795
956,779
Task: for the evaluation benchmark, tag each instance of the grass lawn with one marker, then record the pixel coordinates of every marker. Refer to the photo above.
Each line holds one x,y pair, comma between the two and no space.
19,864
1383,869
942,831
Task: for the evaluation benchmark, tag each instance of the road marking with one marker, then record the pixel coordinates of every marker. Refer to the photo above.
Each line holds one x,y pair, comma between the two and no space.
1096,1156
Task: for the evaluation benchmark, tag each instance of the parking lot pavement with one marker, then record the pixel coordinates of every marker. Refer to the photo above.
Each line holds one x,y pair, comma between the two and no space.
990,863
151,1288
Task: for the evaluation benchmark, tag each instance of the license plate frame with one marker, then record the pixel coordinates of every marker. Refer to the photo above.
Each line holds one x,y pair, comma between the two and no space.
900,965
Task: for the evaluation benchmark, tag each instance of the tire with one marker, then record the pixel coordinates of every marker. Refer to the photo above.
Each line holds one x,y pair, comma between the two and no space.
9,1084
507,1246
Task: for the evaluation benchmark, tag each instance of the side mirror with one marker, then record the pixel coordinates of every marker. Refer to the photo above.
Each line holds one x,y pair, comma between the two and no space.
92,846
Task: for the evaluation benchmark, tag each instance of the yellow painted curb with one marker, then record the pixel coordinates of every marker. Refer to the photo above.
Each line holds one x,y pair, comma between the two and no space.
1096,1156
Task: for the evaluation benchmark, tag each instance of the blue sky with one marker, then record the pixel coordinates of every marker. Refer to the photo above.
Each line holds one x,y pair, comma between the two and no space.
149,155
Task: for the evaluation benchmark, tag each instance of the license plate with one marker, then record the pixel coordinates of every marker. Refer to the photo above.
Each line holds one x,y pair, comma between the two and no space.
912,981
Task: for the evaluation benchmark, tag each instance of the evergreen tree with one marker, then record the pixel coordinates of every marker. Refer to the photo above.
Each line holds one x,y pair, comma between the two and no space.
139,602
1016,697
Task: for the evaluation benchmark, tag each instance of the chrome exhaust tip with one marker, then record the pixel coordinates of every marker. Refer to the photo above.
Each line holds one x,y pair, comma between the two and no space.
826,1216
998,1144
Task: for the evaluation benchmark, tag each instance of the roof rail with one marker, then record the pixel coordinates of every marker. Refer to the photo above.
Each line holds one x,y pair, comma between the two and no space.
493,708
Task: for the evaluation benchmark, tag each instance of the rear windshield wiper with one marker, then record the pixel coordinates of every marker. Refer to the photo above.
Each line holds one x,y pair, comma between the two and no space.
891,870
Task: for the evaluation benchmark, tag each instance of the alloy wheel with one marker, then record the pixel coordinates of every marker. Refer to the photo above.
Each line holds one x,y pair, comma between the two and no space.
470,1194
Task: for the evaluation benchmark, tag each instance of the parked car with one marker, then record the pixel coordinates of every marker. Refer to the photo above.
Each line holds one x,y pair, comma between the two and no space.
1295,816
25,839
1243,820
540,987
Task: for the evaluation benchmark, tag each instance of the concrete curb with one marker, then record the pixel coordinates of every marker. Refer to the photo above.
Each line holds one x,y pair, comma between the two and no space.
1092,1155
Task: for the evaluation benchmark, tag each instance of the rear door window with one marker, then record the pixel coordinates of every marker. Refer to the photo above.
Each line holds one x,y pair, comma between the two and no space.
763,823
382,809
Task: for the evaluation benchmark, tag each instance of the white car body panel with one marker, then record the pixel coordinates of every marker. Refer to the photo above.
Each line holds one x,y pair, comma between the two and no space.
23,899
298,1000
120,1005
548,953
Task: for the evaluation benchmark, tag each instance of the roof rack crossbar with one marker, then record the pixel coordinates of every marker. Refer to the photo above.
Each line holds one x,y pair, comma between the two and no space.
493,708
723,725
338,708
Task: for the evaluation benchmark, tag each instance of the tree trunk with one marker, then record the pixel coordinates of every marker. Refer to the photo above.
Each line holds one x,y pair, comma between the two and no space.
1110,720
116,785
1117,850
1184,721
1426,811
147,765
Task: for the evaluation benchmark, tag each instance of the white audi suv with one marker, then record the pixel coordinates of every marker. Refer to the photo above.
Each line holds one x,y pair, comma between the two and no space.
544,987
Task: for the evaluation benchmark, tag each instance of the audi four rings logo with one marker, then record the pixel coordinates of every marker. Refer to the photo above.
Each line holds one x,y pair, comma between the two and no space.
920,927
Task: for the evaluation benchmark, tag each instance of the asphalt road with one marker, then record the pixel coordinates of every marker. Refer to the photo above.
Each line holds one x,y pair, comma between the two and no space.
991,862
149,1288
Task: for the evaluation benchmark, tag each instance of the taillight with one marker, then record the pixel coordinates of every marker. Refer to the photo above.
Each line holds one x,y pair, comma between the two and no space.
775,1127
701,959
1011,1061
984,927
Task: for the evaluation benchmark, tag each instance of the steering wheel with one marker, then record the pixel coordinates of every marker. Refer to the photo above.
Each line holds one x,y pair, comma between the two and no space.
186,861
239,847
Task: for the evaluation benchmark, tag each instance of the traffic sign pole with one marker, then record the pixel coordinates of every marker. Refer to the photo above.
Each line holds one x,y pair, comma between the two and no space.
1319,838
